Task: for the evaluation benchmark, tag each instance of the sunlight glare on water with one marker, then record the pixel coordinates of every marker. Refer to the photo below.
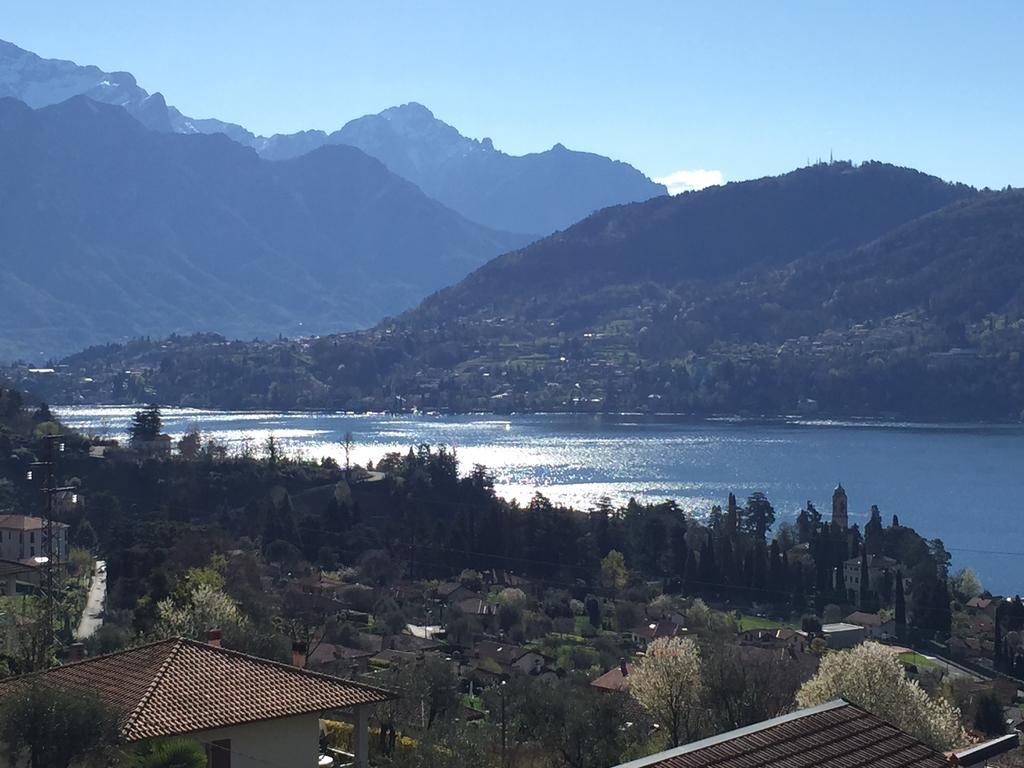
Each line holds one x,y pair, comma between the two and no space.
950,482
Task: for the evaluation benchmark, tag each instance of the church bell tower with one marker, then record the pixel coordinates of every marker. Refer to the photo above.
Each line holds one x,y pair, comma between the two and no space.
840,518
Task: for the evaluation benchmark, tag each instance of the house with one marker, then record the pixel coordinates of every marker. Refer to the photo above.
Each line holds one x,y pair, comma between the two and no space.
475,606
832,735
843,635
157,448
779,638
982,604
247,712
452,592
504,659
500,578
881,572
404,643
18,578
615,679
874,626
646,634
22,538
320,584
338,660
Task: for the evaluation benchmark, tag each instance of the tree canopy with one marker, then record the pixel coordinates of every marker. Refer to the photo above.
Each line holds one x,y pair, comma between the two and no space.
872,678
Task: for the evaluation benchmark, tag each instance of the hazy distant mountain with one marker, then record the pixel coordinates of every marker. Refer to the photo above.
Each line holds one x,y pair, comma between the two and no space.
540,192
42,82
109,230
537,193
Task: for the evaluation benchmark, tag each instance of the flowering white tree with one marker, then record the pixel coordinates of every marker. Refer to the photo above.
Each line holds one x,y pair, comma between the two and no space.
667,683
872,678
513,597
208,608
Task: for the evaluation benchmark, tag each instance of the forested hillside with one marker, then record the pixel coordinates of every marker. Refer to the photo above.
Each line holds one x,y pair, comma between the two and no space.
924,322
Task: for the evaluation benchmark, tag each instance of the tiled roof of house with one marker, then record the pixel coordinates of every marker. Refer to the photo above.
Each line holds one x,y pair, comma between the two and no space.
13,568
656,629
613,679
181,686
502,653
833,735
981,602
328,653
25,523
475,606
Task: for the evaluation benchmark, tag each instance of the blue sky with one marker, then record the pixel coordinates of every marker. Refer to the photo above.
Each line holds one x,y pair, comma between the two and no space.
737,89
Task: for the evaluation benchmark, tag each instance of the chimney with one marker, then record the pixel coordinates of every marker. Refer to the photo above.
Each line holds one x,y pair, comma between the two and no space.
213,638
298,655
623,667
76,652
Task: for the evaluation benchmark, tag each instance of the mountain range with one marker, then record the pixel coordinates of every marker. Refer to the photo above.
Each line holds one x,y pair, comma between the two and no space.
109,230
834,290
536,193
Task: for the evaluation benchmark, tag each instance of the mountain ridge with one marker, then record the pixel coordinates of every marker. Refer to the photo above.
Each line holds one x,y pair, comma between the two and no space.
149,233
536,193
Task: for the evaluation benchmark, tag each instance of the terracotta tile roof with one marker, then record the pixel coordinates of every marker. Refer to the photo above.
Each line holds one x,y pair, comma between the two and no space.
503,653
21,523
181,686
834,735
982,603
613,679
327,653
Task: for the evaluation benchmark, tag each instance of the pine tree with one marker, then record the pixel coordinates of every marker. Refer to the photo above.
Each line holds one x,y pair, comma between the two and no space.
758,516
146,425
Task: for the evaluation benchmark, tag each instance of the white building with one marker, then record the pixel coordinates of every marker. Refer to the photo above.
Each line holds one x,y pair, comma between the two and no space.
22,538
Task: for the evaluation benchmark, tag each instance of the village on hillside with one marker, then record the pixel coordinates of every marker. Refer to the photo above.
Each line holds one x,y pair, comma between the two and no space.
403,612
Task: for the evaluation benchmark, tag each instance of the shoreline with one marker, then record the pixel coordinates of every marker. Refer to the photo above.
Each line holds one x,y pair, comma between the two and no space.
780,420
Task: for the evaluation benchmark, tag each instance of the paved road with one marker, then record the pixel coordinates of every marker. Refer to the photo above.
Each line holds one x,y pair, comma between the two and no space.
92,616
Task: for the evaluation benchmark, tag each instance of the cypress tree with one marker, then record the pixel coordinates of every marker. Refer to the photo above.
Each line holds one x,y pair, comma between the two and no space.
732,517
998,636
900,606
864,598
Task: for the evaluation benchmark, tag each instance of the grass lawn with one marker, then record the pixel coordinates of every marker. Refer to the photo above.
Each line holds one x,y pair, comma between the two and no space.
756,622
916,659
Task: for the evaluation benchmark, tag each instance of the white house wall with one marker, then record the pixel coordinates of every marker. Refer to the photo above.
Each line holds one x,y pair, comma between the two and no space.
288,742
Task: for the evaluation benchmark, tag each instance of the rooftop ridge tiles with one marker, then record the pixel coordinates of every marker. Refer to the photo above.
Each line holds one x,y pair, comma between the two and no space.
730,735
151,688
88,660
297,671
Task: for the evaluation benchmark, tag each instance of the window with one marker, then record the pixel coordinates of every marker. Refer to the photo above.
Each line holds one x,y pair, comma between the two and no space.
218,753
32,537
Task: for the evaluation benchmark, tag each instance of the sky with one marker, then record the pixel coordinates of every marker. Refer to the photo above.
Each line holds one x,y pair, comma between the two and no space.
690,93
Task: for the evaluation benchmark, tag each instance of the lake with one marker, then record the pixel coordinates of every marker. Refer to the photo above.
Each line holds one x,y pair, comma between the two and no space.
963,484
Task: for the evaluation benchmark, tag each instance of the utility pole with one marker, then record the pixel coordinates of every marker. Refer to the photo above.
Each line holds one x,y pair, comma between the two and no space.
504,729
54,444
